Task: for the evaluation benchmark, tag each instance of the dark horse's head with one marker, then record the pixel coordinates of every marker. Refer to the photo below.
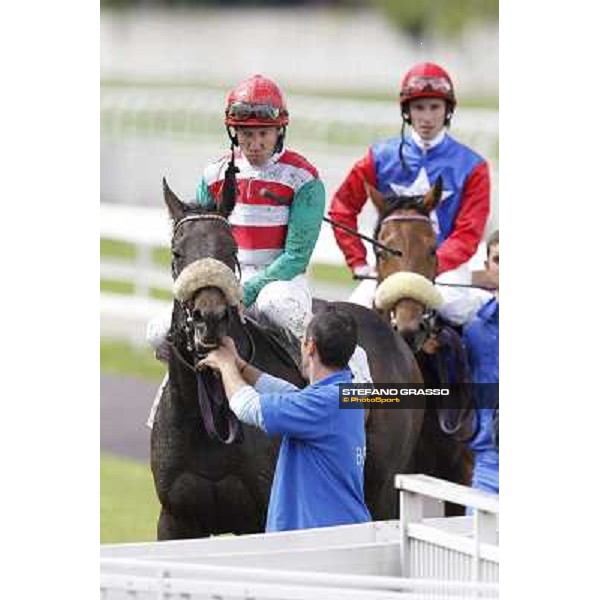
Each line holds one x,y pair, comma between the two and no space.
404,225
200,234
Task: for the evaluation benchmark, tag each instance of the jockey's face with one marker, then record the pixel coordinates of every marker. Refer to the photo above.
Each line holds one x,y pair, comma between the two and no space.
427,116
257,143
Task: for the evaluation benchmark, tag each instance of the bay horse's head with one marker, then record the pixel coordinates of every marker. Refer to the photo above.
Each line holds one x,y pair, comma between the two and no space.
405,226
208,303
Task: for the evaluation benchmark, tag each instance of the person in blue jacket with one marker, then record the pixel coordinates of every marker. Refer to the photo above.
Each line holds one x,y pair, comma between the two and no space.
319,475
481,337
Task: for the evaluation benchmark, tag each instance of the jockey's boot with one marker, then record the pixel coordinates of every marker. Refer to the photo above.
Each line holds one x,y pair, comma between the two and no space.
359,365
156,335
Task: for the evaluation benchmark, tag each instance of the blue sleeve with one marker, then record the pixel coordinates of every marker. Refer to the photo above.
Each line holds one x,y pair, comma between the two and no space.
303,414
467,340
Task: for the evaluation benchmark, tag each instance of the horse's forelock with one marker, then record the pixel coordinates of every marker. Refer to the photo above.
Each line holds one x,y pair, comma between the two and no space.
394,203
214,242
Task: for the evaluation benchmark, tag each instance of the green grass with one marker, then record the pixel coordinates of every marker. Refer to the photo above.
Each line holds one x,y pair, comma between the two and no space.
126,287
129,507
116,287
338,275
121,358
161,256
117,249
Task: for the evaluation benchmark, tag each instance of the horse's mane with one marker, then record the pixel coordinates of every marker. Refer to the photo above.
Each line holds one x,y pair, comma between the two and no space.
394,203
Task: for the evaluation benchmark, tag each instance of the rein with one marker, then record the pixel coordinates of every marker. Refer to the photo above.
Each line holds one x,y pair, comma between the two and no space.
206,411
363,236
458,285
233,425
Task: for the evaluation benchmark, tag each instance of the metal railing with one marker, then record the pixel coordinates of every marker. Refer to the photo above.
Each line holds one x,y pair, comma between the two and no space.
383,560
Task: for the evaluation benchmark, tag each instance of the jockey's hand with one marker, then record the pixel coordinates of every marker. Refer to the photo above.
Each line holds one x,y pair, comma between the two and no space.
364,272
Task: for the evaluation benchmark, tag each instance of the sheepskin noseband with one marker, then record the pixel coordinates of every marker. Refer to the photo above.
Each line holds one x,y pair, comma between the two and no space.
407,285
208,272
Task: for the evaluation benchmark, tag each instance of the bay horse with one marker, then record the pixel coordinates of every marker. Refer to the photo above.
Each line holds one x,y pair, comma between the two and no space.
405,226
213,474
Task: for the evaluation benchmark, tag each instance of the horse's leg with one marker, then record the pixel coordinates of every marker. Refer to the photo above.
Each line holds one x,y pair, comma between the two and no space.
190,502
239,511
392,435
439,455
171,527
187,498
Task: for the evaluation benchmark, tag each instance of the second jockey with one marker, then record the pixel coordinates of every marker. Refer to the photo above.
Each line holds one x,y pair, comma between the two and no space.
409,165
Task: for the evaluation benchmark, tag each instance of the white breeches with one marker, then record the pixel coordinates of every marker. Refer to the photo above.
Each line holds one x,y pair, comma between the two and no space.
287,303
460,304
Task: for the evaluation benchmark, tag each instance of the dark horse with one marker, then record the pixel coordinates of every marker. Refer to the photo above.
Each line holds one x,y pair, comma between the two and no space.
212,474
404,225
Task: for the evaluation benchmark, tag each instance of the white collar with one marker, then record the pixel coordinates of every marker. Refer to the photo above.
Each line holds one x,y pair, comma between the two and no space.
419,141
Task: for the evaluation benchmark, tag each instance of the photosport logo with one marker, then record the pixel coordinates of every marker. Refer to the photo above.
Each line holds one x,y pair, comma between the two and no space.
405,395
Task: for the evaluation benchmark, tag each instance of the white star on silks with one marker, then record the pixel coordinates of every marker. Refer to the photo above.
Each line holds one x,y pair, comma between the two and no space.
419,187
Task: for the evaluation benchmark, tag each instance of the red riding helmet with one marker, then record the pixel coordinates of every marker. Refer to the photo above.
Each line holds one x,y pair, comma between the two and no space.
256,101
427,80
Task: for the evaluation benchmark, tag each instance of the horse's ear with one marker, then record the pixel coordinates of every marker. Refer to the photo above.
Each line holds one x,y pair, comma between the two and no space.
433,196
176,207
376,196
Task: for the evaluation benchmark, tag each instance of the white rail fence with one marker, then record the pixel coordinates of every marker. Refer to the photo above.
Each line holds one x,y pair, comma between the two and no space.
180,111
145,228
374,560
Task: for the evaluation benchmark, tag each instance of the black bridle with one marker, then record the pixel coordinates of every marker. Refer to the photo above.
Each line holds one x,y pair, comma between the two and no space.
234,432
202,217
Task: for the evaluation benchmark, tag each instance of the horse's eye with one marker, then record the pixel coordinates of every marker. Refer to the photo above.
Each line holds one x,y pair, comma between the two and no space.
432,251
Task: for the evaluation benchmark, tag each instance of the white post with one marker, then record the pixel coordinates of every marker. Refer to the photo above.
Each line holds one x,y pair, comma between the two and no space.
485,533
411,511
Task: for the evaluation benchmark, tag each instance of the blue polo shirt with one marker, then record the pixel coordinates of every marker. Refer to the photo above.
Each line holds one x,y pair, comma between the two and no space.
320,469
481,339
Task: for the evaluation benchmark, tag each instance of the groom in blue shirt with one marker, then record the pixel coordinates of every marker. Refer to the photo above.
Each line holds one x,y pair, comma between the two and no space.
319,474
481,340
